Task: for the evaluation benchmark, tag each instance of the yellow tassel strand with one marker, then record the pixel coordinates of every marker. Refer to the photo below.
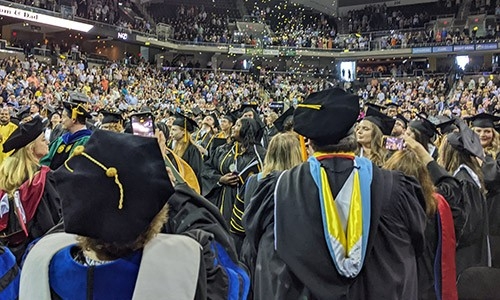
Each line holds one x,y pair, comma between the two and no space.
310,106
110,172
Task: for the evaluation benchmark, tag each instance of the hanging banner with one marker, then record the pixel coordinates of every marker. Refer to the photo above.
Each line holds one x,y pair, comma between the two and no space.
43,19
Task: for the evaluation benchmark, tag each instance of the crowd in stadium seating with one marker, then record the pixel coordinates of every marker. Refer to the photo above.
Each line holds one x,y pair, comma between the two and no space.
122,87
485,6
377,17
195,24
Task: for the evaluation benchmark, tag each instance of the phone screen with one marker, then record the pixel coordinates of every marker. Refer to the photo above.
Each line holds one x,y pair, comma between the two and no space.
143,125
394,143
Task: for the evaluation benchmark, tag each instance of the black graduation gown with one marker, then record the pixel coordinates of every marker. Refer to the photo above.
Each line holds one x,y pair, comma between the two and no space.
220,164
301,267
270,133
47,215
491,173
192,157
56,132
472,246
203,140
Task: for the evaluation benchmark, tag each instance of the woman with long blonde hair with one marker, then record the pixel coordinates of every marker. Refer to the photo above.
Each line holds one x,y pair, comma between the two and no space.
283,153
460,154
29,201
484,125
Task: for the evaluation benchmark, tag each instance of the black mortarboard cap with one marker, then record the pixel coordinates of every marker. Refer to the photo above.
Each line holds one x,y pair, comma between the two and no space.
216,120
382,121
40,106
111,117
76,109
375,106
466,140
447,125
23,113
402,119
246,106
483,120
185,122
24,134
196,111
231,116
78,98
326,116
280,122
424,126
216,142
51,110
113,187
392,104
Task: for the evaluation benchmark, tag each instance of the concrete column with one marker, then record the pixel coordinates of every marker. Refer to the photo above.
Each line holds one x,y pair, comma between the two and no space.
433,63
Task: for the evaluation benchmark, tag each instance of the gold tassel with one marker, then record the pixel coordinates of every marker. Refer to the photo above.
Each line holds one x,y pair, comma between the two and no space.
303,148
185,131
111,172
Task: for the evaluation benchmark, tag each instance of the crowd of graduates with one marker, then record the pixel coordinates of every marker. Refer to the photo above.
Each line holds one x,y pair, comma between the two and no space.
140,183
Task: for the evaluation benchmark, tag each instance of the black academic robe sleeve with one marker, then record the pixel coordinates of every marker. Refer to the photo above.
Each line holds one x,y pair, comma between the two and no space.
473,247
193,157
257,221
491,172
192,215
49,211
450,188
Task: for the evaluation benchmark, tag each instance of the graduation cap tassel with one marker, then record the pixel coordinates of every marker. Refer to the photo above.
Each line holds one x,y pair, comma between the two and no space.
75,112
303,148
110,172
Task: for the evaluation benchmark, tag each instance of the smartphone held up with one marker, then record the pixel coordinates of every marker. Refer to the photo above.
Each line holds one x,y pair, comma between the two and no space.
143,124
394,143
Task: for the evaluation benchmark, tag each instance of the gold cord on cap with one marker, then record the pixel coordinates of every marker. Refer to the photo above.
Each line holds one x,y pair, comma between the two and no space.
75,113
311,106
303,148
185,131
110,172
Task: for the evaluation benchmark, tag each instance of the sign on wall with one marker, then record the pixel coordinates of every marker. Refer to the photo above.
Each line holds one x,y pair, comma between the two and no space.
43,19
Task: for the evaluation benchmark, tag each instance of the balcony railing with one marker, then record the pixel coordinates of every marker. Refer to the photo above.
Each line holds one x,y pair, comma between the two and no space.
367,45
